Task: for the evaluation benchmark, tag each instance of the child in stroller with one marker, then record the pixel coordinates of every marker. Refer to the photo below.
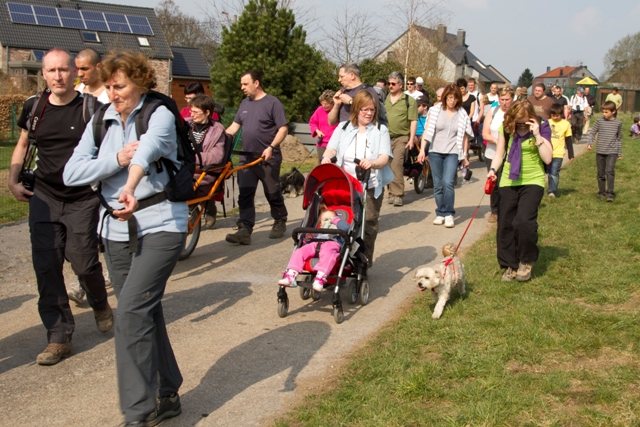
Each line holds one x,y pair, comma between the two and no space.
323,246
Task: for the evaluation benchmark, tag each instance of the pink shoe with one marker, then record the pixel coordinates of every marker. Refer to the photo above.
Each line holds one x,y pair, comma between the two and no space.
289,279
319,282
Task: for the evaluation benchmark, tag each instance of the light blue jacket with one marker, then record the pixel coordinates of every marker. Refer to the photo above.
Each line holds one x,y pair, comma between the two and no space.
90,166
379,141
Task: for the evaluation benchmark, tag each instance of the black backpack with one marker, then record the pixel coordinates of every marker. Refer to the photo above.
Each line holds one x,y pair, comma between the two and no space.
382,110
180,185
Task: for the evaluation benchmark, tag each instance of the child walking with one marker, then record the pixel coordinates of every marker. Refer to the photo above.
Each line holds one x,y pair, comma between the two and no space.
608,130
328,254
561,136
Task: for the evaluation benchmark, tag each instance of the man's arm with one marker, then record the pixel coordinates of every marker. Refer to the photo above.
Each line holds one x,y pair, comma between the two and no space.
280,136
18,191
233,128
413,125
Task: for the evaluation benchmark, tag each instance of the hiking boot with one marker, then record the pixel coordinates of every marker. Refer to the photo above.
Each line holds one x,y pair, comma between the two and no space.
242,236
289,279
319,282
493,218
209,221
448,221
391,199
397,201
166,407
601,196
278,228
524,272
439,220
76,293
552,196
609,199
54,353
104,319
509,275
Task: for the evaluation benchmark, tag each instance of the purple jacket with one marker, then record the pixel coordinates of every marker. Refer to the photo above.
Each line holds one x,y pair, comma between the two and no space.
212,150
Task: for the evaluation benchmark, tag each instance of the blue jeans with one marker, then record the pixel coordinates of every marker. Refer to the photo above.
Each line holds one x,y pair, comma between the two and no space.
554,175
444,168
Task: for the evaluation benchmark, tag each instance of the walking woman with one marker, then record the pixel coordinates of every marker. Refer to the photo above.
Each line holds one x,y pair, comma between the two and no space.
492,122
521,188
362,138
126,169
447,132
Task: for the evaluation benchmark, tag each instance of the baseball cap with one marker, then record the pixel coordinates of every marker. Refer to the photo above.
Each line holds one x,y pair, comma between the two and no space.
419,81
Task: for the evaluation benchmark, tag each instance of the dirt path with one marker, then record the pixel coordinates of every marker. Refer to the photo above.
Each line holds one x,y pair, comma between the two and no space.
241,363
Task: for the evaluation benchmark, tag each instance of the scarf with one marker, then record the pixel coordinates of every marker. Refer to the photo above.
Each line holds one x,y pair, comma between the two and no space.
515,151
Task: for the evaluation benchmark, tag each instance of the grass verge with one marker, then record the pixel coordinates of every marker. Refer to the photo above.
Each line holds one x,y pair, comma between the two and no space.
559,350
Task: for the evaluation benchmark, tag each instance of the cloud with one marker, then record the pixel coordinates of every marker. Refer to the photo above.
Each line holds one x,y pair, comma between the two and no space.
584,22
475,4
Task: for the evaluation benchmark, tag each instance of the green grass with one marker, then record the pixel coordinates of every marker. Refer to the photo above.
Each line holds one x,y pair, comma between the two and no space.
559,350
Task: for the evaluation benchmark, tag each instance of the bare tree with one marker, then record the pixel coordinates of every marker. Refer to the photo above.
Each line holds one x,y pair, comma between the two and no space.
622,62
352,36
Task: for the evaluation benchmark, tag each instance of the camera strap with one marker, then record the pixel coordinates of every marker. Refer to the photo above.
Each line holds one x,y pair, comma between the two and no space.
34,121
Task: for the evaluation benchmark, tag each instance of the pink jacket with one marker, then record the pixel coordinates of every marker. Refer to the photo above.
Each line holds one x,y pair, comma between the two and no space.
320,121
212,149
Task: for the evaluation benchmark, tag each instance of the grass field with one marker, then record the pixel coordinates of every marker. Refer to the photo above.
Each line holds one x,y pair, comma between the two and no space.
559,350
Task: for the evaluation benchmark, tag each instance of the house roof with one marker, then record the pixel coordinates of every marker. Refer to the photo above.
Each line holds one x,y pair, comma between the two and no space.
29,36
188,62
556,72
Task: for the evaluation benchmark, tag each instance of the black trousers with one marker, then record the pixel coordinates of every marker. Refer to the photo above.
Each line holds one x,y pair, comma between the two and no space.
269,175
577,123
59,231
495,194
517,236
606,165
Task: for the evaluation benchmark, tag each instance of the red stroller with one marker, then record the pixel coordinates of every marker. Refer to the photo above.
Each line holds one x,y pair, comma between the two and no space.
343,194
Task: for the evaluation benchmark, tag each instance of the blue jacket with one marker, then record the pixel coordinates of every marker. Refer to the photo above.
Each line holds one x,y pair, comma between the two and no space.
90,166
380,144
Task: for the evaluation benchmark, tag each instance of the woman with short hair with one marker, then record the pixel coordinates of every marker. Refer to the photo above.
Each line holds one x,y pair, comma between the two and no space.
319,122
126,169
447,132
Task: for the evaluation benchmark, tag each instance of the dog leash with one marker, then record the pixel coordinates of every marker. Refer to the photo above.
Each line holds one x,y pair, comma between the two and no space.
305,159
469,225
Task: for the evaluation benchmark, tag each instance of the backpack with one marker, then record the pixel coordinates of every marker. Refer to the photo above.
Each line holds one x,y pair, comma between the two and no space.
180,185
382,111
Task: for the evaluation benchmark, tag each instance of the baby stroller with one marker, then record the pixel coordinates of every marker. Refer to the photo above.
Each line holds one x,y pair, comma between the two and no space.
413,170
342,193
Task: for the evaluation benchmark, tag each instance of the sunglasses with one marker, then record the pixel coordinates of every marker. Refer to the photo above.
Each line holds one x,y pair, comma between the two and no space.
521,125
394,84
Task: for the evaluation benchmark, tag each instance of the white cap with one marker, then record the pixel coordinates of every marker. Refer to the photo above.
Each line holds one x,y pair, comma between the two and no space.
419,81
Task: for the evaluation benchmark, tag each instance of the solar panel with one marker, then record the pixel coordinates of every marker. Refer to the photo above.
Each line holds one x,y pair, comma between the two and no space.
140,25
47,16
71,18
94,21
117,23
21,13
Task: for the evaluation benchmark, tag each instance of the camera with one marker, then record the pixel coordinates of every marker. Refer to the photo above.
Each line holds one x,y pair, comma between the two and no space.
28,179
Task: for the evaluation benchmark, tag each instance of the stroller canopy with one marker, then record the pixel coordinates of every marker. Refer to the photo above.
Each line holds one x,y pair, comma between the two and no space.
336,184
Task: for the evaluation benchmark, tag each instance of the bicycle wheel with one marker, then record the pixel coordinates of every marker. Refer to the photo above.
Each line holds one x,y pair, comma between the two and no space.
192,238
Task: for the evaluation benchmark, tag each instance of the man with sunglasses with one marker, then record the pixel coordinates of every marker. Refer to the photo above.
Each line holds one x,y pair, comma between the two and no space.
402,112
412,90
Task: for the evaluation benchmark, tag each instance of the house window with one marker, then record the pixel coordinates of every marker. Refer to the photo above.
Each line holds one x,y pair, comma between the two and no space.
144,42
90,36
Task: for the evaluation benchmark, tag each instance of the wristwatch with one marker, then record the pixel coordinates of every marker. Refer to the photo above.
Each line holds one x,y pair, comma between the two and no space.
351,101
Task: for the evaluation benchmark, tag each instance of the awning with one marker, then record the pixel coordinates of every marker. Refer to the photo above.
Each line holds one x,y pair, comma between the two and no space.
587,81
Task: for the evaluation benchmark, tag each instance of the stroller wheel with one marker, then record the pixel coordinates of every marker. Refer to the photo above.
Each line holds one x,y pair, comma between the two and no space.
338,314
315,295
283,307
364,292
353,291
305,293
420,183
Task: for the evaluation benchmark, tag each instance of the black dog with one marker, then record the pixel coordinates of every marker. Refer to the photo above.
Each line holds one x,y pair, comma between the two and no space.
292,183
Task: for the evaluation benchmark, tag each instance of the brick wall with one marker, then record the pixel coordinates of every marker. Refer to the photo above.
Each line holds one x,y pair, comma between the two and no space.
162,75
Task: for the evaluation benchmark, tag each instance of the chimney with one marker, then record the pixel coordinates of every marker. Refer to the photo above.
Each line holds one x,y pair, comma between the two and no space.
561,71
548,69
442,32
461,36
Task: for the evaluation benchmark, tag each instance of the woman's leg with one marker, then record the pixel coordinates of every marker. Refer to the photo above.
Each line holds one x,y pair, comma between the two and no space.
144,357
525,223
505,237
449,170
436,161
371,223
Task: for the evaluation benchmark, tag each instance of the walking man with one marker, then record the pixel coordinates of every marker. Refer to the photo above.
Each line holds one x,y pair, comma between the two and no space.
578,105
402,112
589,111
412,91
541,102
616,98
62,220
88,67
349,78
264,127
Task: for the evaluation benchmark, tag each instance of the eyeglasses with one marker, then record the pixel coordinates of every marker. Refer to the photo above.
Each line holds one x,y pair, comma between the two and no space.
196,112
368,110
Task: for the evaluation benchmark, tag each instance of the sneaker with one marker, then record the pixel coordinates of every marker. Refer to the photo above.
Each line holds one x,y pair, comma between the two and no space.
552,196
104,319
610,199
524,272
166,407
397,201
465,182
601,196
289,279
278,228
509,275
448,221
439,220
391,198
54,353
209,221
76,293
493,218
319,281
410,181
242,236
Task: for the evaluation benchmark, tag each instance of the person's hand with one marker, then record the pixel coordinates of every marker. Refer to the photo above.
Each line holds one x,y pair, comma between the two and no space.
464,162
571,160
336,98
126,154
588,147
421,157
19,192
619,157
319,134
267,153
492,175
344,98
409,144
129,203
534,127
365,164
325,160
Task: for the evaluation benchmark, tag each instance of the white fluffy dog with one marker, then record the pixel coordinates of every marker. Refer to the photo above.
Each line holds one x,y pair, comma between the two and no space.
442,278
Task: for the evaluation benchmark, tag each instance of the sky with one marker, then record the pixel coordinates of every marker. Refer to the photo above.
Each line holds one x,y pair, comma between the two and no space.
511,35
